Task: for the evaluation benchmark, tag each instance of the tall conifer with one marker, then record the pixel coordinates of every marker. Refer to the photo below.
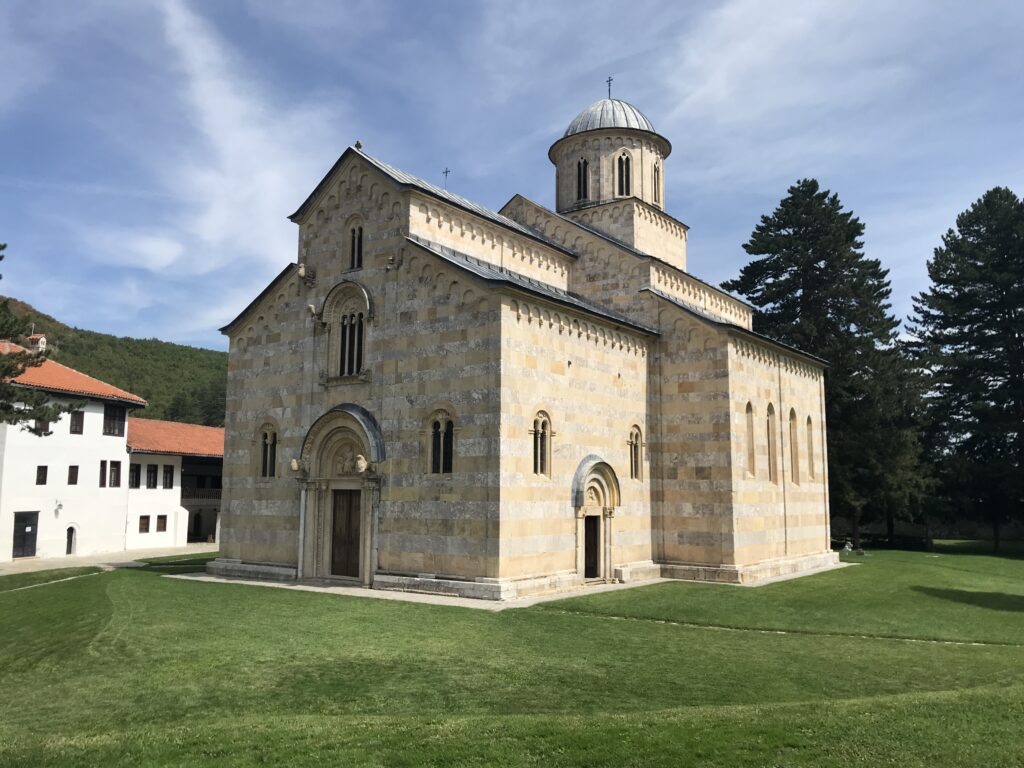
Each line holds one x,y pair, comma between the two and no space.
970,338
813,288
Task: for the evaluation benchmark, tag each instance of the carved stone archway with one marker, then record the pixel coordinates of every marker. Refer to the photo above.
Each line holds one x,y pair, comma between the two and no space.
340,456
595,496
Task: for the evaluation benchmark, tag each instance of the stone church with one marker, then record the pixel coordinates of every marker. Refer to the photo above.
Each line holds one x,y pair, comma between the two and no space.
443,398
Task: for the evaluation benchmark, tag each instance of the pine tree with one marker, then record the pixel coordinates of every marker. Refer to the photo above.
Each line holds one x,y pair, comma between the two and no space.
970,331
813,288
21,405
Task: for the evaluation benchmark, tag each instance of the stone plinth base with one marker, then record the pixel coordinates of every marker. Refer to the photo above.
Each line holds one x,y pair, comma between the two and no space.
482,588
755,573
224,566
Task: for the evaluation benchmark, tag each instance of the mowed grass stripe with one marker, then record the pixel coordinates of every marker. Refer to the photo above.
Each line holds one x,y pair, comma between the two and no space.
903,730
905,595
132,668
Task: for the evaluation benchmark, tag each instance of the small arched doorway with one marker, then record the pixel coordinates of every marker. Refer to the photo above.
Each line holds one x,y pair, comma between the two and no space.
595,492
70,544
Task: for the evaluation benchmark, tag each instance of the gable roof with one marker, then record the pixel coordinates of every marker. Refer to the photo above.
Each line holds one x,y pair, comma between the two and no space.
501,276
738,329
408,181
174,438
248,307
619,243
51,376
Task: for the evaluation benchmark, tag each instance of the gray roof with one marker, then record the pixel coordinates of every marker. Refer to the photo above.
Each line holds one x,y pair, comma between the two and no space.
493,274
408,180
609,113
738,329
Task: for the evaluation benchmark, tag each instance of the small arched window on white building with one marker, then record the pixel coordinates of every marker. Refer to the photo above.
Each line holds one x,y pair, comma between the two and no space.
442,443
541,444
582,179
751,454
794,447
635,453
772,435
624,173
346,315
657,183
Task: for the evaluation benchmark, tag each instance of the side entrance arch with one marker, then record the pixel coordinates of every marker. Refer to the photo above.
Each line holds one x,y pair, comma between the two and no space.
337,535
595,495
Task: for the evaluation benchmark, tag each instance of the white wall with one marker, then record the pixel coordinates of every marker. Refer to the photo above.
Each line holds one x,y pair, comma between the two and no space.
154,502
97,514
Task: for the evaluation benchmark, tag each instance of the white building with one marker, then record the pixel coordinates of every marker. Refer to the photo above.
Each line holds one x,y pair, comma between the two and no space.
97,482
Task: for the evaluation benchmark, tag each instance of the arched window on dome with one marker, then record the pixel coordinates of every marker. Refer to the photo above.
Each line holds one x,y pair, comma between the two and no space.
582,179
657,183
624,173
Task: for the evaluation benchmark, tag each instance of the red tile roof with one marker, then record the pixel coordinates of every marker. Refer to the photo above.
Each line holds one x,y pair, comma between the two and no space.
172,437
54,377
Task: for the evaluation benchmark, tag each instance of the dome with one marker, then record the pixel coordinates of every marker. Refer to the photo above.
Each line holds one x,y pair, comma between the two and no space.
609,113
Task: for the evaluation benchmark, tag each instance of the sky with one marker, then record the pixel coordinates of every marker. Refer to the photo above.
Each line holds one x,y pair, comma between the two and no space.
151,151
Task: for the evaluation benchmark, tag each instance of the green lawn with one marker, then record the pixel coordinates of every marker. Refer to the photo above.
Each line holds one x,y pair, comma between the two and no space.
129,668
21,580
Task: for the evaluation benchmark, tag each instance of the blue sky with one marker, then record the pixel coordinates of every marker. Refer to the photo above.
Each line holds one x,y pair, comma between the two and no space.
152,150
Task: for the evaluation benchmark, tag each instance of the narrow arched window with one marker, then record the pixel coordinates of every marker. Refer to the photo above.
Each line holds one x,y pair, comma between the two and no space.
624,174
435,447
356,248
541,445
751,467
770,433
582,179
635,454
350,335
442,443
794,448
810,449
447,447
268,459
657,183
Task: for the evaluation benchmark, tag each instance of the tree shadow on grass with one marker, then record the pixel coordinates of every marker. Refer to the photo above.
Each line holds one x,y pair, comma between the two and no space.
996,601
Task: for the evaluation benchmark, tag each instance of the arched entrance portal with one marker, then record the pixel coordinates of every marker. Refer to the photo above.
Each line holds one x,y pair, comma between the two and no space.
69,549
595,491
340,455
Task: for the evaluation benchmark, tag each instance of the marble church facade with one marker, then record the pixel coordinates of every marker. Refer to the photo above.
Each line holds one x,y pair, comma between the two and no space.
443,398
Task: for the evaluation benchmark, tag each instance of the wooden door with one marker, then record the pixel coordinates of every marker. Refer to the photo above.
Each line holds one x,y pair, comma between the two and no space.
591,549
345,534
26,528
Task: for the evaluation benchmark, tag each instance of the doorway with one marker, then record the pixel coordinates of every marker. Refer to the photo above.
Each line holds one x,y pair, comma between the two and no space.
70,548
345,533
591,546
26,525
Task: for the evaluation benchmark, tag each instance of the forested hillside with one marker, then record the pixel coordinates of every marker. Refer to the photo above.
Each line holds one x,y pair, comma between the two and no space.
180,383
